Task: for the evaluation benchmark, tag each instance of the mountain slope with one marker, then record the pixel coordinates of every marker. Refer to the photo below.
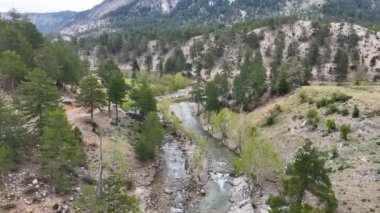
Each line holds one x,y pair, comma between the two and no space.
50,22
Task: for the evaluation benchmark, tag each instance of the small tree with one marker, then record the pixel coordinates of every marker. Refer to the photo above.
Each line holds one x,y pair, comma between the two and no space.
330,124
117,89
151,137
212,97
306,174
345,129
12,66
91,94
313,117
355,112
143,98
35,96
61,151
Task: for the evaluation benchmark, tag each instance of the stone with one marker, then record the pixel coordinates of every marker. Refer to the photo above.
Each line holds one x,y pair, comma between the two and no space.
168,191
71,198
35,182
77,189
203,192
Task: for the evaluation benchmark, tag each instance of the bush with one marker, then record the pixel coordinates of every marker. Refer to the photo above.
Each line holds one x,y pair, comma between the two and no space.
345,129
6,158
344,112
273,113
355,112
333,108
322,102
340,97
303,97
330,124
312,116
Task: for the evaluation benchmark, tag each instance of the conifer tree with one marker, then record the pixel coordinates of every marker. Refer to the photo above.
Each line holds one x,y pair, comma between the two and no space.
306,174
91,94
143,98
61,151
35,96
117,89
12,66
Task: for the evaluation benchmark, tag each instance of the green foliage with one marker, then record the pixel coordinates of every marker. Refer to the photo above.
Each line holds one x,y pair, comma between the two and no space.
106,69
12,66
169,83
151,137
312,116
91,94
61,62
223,121
250,84
339,97
258,158
176,62
282,86
116,90
332,108
306,174
323,102
135,68
212,97
345,129
13,132
273,114
304,97
6,158
344,112
61,151
143,98
113,200
35,96
330,124
341,60
355,112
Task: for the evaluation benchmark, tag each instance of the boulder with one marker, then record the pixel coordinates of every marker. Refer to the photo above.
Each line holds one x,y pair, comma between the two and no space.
35,182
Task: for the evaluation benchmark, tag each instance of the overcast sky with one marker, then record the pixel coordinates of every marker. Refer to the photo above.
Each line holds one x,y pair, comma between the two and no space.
47,5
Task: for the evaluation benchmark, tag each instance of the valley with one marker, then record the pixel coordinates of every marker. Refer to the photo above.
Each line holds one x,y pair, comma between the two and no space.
191,106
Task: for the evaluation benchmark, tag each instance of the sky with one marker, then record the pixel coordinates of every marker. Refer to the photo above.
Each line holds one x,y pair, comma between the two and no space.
42,6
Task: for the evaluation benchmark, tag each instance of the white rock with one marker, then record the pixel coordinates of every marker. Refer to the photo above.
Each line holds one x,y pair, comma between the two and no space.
168,191
35,182
71,198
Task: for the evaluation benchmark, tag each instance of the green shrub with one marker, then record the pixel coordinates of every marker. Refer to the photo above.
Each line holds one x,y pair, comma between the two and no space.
6,159
303,97
344,112
355,112
332,108
340,97
345,129
330,124
312,116
273,113
322,102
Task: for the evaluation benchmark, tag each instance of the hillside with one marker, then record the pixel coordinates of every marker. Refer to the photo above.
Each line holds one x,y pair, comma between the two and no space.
289,42
120,15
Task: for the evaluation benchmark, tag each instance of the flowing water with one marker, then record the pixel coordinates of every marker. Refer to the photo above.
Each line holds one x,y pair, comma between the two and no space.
219,158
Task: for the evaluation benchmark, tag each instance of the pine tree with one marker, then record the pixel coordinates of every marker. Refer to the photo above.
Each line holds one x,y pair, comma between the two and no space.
148,63
306,174
212,97
341,60
61,151
91,94
282,86
143,98
35,96
151,137
105,72
117,89
12,66
135,68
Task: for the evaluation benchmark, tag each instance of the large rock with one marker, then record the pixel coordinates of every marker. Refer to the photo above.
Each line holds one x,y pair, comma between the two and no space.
240,196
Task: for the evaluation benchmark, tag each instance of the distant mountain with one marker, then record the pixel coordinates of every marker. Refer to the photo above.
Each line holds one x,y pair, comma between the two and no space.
121,15
50,22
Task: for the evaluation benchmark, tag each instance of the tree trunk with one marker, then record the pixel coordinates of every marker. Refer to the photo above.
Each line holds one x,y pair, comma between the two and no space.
92,113
109,108
100,181
117,114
